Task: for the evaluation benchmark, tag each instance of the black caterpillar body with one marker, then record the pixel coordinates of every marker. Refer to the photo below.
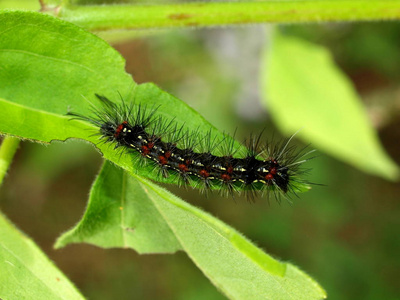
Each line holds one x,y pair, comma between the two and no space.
137,128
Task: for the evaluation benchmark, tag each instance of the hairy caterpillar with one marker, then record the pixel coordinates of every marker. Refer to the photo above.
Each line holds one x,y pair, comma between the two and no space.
172,148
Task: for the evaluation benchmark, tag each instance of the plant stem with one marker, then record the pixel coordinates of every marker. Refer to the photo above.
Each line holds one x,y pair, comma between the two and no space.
7,151
228,13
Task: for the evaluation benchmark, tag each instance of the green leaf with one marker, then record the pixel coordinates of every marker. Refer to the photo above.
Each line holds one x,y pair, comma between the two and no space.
44,126
129,211
26,272
51,65
305,90
42,82
120,214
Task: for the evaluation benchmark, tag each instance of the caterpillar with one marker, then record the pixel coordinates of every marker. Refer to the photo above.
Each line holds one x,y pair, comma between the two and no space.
171,148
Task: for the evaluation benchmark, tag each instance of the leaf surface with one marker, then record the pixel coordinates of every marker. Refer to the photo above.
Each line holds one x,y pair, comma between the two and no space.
42,81
26,272
306,91
50,67
148,218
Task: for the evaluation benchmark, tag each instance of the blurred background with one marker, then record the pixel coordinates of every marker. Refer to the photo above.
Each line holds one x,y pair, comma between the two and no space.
344,234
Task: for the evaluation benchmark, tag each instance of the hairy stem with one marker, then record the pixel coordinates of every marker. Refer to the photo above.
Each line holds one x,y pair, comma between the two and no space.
7,151
228,13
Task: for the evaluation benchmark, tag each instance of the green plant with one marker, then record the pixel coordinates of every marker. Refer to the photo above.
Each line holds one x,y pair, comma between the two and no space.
47,65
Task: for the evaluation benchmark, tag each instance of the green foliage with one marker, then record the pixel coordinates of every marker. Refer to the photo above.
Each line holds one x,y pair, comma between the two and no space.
26,272
304,89
92,66
61,71
80,63
121,213
49,67
131,212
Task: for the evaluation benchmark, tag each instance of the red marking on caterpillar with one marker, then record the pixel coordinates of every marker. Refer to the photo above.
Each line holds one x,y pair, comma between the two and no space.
163,160
265,168
120,128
